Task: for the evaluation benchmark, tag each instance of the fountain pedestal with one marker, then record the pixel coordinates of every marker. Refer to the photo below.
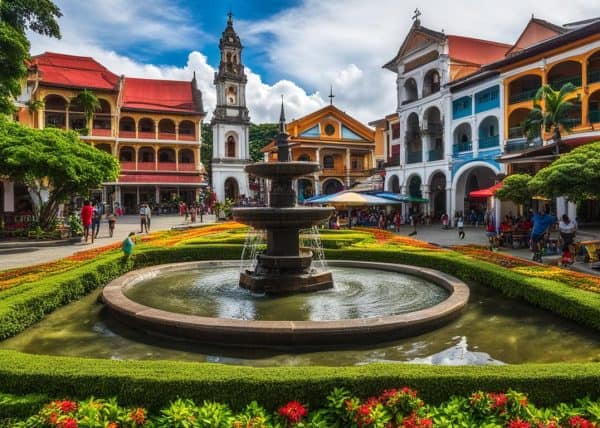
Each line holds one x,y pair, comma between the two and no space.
284,268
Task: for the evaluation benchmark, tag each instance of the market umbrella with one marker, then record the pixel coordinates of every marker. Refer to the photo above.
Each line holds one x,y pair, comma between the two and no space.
350,199
485,193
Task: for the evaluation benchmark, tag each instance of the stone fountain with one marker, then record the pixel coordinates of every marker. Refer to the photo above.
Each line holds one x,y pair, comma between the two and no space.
284,267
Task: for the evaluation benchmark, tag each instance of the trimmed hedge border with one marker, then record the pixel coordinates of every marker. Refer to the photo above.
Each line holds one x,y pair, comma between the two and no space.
154,383
20,406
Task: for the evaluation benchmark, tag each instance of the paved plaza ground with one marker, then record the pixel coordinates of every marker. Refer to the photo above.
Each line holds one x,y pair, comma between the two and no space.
25,253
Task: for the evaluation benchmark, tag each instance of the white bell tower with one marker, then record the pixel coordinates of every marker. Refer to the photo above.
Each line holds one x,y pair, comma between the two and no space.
230,122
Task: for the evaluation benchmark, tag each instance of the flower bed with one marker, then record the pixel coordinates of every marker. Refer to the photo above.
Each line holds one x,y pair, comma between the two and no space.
391,408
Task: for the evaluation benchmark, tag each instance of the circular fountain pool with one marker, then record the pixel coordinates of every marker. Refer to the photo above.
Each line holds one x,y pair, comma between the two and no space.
371,302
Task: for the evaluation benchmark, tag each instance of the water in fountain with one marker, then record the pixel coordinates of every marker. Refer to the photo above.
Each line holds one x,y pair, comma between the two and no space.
253,246
311,239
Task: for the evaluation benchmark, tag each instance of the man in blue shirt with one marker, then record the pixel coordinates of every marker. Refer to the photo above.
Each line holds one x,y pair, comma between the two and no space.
541,223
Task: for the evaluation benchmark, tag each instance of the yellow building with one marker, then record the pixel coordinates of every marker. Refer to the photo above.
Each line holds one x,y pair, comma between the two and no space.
344,147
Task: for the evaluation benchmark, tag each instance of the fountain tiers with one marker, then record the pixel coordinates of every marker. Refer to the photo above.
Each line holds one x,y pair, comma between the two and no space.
284,267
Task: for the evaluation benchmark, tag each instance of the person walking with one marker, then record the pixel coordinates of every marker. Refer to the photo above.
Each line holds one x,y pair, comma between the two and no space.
148,217
96,218
541,223
143,219
86,219
413,223
567,228
445,220
112,220
460,224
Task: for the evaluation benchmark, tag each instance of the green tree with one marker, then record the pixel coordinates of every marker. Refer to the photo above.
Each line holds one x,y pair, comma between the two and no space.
53,161
206,151
550,113
89,104
260,136
16,17
515,188
575,175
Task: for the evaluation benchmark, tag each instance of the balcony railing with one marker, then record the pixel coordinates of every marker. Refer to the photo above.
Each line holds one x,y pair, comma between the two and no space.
146,166
594,116
187,166
126,134
395,161
466,146
522,144
414,157
516,132
559,83
434,128
162,166
594,76
527,94
487,142
167,166
436,155
166,135
130,166
101,132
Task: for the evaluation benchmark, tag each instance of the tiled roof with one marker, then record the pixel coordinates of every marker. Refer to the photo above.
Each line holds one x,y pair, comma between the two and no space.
475,51
73,71
159,95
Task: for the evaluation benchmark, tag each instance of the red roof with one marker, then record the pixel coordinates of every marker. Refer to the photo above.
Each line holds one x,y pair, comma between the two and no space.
485,193
74,71
160,178
158,95
475,51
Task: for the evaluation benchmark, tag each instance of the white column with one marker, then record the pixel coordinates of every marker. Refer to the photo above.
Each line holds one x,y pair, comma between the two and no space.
157,194
561,206
475,138
347,168
317,185
497,211
9,196
572,210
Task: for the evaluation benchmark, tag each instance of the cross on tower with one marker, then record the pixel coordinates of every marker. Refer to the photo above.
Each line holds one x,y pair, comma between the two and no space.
331,96
230,17
416,16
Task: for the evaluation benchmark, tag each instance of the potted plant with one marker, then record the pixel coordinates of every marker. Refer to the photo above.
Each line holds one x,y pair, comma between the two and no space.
75,227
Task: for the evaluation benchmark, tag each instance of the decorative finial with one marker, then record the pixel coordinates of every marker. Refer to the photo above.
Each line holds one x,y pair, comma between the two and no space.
283,147
331,96
416,17
229,18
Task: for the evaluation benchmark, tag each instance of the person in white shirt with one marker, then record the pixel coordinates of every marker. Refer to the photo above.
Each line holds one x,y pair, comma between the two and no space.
567,228
460,224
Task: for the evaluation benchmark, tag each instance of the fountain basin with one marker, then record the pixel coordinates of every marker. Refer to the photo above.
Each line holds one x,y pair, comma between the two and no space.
284,334
282,170
282,218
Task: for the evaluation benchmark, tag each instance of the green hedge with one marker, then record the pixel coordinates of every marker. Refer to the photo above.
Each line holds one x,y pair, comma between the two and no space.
154,383
21,406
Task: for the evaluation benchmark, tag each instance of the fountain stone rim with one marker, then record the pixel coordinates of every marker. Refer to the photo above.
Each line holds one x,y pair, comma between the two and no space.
285,334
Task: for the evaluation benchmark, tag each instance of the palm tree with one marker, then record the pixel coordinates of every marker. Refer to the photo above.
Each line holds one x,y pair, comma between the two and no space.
89,102
552,115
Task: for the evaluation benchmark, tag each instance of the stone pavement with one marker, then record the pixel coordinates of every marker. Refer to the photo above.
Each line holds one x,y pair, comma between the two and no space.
14,254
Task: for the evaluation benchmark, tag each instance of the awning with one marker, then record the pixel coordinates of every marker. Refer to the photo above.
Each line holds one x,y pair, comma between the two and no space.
349,198
485,193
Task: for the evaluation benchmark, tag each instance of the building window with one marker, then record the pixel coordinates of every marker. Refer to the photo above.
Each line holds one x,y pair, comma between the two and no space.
230,147
356,163
395,131
328,162
329,129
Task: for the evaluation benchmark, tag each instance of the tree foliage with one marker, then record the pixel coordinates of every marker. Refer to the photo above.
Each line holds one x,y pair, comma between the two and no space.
575,175
515,188
17,16
550,113
260,136
206,151
89,104
53,160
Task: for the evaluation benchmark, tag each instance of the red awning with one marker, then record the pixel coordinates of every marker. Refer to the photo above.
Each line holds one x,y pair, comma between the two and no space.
485,193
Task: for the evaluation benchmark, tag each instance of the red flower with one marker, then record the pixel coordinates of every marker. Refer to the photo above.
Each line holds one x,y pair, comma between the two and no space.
499,400
53,418
580,422
138,416
69,423
293,411
518,423
67,406
413,421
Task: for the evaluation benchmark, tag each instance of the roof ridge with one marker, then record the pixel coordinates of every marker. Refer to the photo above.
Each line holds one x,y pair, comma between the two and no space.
489,42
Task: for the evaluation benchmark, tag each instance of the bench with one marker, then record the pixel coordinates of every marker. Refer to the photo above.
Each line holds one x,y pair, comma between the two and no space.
590,252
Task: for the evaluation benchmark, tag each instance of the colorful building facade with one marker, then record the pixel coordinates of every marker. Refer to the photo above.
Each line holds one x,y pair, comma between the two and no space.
151,126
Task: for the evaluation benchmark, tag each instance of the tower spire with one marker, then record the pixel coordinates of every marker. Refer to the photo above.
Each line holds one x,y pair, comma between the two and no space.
229,18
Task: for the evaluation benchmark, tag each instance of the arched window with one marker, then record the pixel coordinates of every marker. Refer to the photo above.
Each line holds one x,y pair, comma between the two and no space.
102,119
411,93
166,155
231,95
328,162
55,112
127,127
76,116
105,148
146,154
146,128
126,154
187,130
431,84
186,156
230,147
166,129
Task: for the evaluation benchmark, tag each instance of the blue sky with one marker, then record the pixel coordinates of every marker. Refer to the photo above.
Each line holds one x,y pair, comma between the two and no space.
297,48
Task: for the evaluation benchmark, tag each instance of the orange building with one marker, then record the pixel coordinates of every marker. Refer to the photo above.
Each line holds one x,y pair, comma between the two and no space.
151,126
344,147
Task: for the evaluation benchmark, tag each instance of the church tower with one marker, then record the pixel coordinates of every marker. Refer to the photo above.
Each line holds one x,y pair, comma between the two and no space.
230,122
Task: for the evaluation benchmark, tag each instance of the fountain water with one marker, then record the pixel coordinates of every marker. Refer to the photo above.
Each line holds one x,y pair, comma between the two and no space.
284,267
